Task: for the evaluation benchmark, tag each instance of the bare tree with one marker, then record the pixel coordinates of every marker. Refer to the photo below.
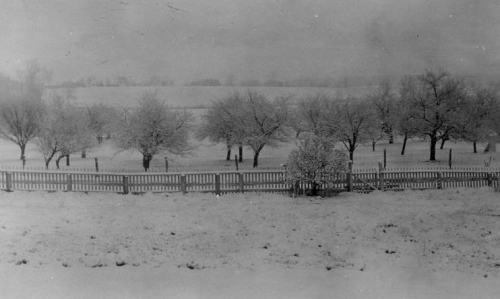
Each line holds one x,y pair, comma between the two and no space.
263,122
21,108
154,128
473,122
353,122
434,103
217,123
405,123
63,131
100,119
383,101
20,121
314,115
493,122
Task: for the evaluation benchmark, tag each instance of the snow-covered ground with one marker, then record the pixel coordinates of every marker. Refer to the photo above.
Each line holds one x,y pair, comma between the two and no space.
412,244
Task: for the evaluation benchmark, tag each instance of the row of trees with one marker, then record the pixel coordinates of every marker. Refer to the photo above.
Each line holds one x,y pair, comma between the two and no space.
59,129
434,104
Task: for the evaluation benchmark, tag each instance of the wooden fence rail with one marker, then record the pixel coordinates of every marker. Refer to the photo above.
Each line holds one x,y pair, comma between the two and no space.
244,181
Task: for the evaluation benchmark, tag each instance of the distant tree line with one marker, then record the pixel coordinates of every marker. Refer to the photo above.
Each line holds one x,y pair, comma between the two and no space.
301,81
435,104
116,81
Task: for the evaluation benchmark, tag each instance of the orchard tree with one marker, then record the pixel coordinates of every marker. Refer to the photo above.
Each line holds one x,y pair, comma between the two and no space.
474,119
315,161
435,103
20,120
352,123
218,123
100,119
384,104
313,114
21,107
405,124
153,128
494,116
263,122
63,131
492,124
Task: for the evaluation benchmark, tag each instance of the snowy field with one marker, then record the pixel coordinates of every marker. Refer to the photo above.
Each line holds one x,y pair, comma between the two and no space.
207,155
412,244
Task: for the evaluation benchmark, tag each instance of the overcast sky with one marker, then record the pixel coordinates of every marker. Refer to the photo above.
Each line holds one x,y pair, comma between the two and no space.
194,39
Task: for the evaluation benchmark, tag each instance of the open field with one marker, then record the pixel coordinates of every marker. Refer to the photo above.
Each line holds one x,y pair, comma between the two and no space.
412,244
208,156
196,96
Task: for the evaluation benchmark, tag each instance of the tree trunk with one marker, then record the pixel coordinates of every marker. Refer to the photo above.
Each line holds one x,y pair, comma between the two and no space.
48,159
58,159
228,156
23,150
256,157
314,189
240,152
433,148
391,137
404,145
67,160
442,142
146,160
351,154
474,144
373,145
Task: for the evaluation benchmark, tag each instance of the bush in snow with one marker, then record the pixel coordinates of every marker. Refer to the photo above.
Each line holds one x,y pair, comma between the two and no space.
315,162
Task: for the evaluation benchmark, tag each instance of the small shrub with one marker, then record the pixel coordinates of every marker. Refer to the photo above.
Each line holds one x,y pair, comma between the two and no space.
316,162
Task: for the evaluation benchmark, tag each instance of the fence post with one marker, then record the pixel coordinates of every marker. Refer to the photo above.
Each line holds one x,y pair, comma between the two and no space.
349,176
217,183
449,159
69,182
125,184
439,181
183,184
385,157
490,179
240,175
8,181
381,176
